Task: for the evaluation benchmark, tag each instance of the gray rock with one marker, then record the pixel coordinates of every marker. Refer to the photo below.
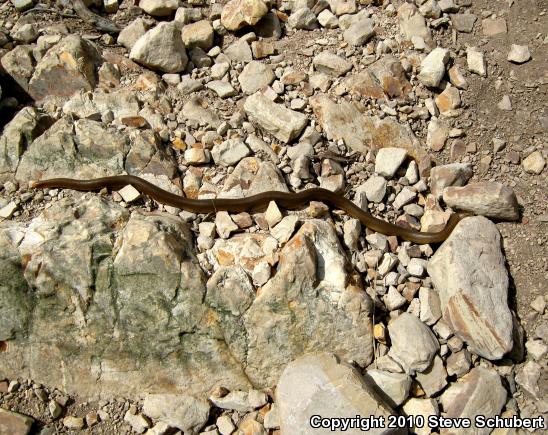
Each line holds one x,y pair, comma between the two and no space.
395,385
484,198
469,273
434,378
221,88
389,160
229,152
161,49
453,174
321,384
480,392
360,32
255,76
189,85
23,5
285,124
528,379
413,344
327,19
198,34
476,61
375,188
302,287
363,133
138,422
413,25
239,51
463,22
25,33
14,423
430,311
159,8
194,110
433,67
185,413
303,18
132,32
239,13
519,53
241,401
331,64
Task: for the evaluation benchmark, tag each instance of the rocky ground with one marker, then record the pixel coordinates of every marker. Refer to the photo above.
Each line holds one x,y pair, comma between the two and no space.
122,315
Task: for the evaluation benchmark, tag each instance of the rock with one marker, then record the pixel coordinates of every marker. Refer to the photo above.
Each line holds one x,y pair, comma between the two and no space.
138,422
393,299
534,163
389,160
433,67
19,64
430,9
413,344
423,407
197,156
395,385
321,384
76,423
457,78
22,5
303,18
262,49
430,311
331,64
224,224
528,377
199,34
360,32
241,401
25,34
405,196
239,51
269,27
476,61
413,25
453,174
363,133
13,423
225,425
285,124
159,8
67,68
448,100
132,32
463,22
437,134
251,426
327,19
161,48
229,152
493,26
239,13
469,274
519,53
285,229
255,76
458,364
196,109
55,409
505,103
185,413
375,188
484,198
221,88
480,392
434,378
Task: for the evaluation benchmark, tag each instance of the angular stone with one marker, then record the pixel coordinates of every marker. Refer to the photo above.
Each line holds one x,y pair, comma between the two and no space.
132,32
388,161
437,134
331,64
463,22
13,423
476,61
493,26
221,88
303,18
67,68
185,413
469,273
480,392
534,163
484,198
448,100
196,109
322,384
434,378
413,344
239,51
262,49
161,48
19,64
423,407
433,67
229,152
199,34
159,8
453,174
239,13
395,385
255,76
412,24
375,188
519,53
283,123
360,32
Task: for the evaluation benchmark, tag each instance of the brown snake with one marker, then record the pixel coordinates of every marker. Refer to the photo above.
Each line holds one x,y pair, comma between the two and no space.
286,200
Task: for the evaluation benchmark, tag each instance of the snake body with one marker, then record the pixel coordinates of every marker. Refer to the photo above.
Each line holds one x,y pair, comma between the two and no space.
254,202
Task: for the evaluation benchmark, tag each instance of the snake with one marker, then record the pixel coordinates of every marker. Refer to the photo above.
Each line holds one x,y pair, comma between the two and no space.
255,202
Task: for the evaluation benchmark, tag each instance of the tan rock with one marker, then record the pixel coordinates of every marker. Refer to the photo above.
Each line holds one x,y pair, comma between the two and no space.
239,13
